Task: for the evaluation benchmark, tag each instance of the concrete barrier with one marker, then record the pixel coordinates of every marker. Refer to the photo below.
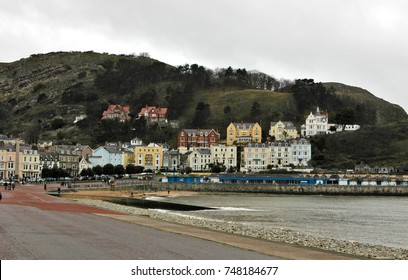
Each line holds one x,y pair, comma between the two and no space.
280,189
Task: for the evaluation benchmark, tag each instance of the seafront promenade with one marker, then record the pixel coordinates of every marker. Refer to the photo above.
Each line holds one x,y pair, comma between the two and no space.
35,225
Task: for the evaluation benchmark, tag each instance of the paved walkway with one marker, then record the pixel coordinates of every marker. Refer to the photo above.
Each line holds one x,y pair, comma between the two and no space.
280,250
34,196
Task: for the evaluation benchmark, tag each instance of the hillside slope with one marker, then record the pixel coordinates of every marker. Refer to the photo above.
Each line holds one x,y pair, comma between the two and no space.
40,97
385,144
360,99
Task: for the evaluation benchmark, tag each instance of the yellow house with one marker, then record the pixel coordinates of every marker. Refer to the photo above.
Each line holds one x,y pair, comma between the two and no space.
283,130
30,163
150,156
244,133
128,158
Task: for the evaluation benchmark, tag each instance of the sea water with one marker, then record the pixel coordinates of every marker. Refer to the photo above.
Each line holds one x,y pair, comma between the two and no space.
377,220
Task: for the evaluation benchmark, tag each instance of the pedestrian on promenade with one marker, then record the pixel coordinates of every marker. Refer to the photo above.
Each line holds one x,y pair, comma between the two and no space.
45,187
13,186
1,196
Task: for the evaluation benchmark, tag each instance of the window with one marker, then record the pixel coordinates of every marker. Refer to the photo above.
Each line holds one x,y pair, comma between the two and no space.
148,160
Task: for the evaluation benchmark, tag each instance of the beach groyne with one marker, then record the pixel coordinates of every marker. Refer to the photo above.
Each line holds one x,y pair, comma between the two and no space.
134,202
278,189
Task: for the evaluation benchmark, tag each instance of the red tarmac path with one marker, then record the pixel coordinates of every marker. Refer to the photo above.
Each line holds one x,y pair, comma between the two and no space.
34,195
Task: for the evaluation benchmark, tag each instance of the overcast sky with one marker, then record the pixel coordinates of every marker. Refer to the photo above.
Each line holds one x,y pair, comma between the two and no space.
357,42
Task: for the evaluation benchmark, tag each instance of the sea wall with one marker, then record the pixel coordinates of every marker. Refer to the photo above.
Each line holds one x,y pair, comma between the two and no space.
279,189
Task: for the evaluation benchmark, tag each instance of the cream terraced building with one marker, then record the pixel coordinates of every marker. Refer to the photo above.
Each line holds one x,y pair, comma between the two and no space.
224,155
257,157
31,163
19,162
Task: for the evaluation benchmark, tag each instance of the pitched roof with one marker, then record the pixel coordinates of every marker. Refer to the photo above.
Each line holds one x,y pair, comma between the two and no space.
198,130
242,125
287,124
148,109
112,107
203,151
112,150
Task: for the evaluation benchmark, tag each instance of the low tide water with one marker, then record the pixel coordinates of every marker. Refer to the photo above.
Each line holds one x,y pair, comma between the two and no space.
375,220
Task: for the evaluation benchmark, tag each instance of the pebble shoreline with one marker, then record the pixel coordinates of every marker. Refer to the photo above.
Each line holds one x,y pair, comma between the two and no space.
273,234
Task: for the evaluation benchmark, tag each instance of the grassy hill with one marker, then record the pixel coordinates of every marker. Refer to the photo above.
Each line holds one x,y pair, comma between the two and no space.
36,93
358,98
385,144
272,104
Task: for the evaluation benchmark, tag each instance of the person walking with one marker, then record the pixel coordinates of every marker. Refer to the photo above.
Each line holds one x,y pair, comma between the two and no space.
1,196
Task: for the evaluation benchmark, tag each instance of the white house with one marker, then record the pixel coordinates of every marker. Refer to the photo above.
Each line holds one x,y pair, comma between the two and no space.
199,159
84,163
136,142
316,124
